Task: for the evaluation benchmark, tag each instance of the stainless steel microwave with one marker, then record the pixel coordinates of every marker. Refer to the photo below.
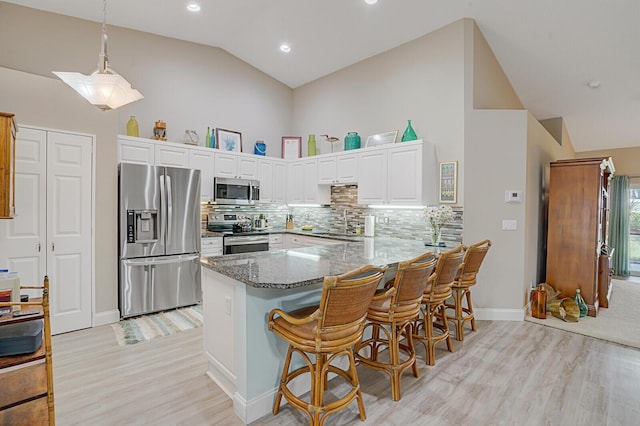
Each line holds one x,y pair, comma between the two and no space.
235,191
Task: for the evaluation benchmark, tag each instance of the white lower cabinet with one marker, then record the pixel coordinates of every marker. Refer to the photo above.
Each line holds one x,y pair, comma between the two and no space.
211,246
276,241
298,241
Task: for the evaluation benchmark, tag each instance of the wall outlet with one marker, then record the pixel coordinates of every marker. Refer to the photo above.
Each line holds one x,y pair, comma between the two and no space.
509,225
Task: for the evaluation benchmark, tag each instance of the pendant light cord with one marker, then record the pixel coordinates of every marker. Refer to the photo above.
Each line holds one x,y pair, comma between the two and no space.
103,61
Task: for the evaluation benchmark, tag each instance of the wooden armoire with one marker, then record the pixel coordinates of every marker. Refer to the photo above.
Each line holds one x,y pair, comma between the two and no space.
578,225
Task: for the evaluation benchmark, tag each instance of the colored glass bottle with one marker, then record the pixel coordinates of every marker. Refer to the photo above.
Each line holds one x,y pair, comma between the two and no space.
409,134
539,302
311,146
581,303
207,140
132,126
352,141
212,144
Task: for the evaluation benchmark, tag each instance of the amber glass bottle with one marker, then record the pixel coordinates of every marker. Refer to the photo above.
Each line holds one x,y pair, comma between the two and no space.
539,302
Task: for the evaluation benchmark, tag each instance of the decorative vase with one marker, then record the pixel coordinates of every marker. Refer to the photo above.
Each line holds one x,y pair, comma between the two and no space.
435,236
581,303
352,141
207,141
260,148
311,146
409,134
132,126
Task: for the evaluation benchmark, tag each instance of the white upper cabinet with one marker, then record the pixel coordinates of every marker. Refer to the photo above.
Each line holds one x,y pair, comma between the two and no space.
302,183
203,160
338,168
171,155
399,174
236,166
135,150
272,177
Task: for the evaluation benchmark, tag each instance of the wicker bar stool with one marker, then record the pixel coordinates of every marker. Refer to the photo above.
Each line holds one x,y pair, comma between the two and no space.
437,292
390,317
473,259
326,331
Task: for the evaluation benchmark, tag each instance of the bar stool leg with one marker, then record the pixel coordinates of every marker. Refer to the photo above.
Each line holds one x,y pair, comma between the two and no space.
283,380
473,318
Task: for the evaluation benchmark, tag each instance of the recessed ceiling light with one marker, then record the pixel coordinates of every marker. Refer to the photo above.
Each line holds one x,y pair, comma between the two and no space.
593,84
371,1
193,7
285,48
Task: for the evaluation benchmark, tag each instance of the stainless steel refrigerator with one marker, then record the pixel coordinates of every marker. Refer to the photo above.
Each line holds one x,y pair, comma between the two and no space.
159,238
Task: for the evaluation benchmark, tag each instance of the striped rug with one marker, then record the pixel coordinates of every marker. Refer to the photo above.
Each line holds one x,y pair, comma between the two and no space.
147,327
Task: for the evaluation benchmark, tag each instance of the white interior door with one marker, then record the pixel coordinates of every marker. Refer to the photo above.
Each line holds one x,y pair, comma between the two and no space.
23,239
69,230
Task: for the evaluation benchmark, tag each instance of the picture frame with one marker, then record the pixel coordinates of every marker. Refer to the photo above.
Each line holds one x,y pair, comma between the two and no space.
381,139
228,140
291,147
448,188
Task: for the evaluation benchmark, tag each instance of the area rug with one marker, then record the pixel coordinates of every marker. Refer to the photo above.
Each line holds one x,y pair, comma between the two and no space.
618,323
147,327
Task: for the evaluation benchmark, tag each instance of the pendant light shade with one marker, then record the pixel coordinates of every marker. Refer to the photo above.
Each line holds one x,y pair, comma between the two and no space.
104,88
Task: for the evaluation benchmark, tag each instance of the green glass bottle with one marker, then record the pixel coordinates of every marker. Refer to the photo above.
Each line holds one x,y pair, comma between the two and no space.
311,146
132,126
409,134
581,303
207,140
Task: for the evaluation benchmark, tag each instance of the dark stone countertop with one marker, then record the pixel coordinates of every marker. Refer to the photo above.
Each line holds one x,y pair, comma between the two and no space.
290,268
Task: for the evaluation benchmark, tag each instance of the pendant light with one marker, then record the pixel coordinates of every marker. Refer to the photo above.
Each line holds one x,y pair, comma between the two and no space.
104,88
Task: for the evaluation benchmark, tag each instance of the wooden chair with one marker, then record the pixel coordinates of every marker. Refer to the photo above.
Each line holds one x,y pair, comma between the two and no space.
473,259
437,292
391,314
327,331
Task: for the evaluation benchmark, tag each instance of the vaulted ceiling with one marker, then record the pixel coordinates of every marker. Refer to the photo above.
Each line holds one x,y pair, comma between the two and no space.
549,49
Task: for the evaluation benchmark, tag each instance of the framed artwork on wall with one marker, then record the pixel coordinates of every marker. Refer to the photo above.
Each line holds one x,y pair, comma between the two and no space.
448,188
291,147
228,140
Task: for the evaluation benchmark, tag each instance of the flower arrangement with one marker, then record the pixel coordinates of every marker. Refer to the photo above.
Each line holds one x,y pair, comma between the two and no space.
438,217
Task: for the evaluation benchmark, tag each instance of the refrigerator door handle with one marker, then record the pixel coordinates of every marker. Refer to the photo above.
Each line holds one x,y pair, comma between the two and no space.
169,207
163,209
145,261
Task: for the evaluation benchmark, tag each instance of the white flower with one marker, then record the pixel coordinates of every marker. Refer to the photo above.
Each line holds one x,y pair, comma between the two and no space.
439,216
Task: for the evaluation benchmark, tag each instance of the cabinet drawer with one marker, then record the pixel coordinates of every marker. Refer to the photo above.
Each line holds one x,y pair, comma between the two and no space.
22,383
32,413
276,239
211,243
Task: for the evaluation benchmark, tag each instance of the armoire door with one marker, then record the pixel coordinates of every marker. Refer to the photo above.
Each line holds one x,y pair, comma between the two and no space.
51,234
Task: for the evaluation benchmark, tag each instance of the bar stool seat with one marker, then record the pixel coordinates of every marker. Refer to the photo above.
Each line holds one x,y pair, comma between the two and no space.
390,317
473,259
326,332
437,292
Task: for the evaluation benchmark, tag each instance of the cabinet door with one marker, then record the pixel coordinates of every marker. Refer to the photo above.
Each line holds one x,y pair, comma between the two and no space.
171,156
372,186
327,169
265,176
69,230
247,167
279,182
347,168
295,182
135,151
23,239
204,161
404,178
312,192
226,165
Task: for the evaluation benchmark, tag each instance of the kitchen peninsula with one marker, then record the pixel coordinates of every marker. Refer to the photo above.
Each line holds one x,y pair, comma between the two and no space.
245,359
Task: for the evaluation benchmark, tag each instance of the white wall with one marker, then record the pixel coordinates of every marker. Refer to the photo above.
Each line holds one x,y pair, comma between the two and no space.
420,80
189,86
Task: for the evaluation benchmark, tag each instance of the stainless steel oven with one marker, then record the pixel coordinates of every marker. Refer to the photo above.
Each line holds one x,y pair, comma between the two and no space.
234,243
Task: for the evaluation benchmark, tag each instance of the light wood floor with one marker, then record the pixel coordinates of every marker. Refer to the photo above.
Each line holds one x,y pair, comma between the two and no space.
507,373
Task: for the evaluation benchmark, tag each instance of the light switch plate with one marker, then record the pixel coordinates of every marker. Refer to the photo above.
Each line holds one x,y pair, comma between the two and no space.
509,225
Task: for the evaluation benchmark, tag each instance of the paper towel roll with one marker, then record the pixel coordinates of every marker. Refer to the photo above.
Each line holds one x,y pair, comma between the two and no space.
369,226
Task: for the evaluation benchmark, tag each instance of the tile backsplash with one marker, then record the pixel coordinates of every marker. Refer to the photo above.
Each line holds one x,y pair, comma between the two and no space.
409,224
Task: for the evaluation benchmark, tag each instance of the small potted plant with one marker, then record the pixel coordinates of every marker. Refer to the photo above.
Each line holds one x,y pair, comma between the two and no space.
438,216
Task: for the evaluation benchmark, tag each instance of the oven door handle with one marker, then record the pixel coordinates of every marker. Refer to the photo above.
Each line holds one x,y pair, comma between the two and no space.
245,243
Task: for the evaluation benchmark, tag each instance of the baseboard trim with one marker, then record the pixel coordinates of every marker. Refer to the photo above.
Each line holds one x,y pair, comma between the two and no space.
499,314
106,317
221,376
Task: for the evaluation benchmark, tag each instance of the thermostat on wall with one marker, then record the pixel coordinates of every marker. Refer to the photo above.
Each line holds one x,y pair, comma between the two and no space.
511,196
